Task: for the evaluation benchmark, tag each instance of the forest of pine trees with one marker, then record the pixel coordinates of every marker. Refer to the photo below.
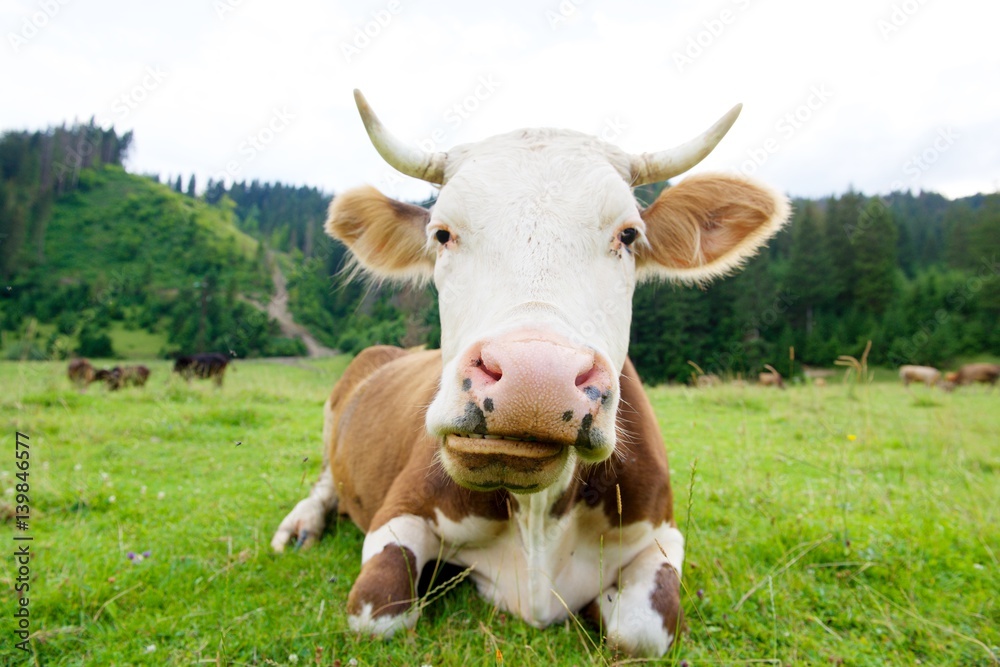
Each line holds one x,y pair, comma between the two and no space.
916,274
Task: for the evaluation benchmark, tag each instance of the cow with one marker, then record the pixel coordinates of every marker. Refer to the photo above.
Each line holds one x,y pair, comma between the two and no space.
134,376
971,373
207,365
771,378
525,449
111,377
928,375
708,380
81,372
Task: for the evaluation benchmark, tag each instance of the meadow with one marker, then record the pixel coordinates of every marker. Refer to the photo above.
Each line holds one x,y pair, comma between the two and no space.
852,524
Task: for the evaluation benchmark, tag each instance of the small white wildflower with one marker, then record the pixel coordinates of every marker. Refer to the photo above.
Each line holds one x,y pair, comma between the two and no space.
104,475
151,648
78,467
293,658
161,495
978,566
353,662
112,499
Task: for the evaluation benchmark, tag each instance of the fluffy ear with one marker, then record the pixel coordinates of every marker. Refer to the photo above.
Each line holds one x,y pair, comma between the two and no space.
386,237
707,226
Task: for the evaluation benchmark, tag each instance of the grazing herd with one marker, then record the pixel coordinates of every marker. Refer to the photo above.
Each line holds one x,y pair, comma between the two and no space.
966,375
210,365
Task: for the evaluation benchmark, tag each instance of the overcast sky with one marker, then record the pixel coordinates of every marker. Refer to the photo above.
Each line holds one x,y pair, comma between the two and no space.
874,94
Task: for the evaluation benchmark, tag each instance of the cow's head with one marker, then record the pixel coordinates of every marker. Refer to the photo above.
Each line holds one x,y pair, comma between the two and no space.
535,244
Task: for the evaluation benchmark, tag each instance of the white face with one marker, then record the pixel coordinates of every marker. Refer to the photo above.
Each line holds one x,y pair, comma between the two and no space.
534,243
534,240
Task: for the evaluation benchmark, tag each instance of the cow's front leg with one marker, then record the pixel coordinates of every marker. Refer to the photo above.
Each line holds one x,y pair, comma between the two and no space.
642,612
384,597
306,521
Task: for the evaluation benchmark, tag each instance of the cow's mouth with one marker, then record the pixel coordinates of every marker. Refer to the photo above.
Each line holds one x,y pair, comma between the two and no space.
488,462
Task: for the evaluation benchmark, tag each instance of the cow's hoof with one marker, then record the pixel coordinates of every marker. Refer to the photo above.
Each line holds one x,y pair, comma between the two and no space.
304,524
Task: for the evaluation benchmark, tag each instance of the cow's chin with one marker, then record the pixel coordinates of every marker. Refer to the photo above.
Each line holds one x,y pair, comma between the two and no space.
486,464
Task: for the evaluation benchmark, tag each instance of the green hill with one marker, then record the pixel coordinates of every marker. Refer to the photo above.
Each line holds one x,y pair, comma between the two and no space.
127,266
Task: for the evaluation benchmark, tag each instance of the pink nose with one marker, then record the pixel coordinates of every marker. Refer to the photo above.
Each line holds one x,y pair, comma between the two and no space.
535,385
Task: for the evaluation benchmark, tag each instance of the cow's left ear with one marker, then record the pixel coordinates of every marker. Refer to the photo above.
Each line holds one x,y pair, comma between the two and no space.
707,226
387,238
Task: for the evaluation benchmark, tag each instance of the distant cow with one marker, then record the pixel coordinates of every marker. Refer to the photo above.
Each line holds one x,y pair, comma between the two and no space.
111,377
710,380
207,365
771,378
134,376
118,377
928,375
81,372
970,373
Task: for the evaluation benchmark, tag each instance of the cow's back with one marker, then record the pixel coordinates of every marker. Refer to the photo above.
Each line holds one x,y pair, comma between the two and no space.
375,424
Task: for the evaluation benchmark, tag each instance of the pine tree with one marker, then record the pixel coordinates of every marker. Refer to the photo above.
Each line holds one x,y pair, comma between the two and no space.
841,229
874,244
808,279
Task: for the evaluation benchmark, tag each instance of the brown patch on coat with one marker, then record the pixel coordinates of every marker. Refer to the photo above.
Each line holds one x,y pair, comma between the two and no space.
666,599
388,582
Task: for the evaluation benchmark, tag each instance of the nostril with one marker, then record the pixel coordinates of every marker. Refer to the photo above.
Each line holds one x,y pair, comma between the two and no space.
583,379
493,373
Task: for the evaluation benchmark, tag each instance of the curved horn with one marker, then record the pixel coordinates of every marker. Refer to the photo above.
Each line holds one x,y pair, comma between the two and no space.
659,166
407,159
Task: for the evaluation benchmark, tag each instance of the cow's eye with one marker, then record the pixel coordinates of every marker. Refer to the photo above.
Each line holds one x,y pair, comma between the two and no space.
442,236
628,235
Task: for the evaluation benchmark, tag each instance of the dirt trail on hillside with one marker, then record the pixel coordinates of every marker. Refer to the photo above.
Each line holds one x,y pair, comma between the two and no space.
277,308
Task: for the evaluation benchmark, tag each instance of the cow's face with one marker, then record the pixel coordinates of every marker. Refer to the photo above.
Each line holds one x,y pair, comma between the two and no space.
535,245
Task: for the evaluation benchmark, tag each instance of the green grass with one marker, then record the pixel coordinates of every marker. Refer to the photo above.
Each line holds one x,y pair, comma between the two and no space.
821,529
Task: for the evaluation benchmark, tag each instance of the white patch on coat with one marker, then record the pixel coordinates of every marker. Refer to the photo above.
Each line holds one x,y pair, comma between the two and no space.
381,626
521,564
630,621
406,530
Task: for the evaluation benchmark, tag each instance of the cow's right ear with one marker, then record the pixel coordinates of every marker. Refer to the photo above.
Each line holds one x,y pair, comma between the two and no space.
388,238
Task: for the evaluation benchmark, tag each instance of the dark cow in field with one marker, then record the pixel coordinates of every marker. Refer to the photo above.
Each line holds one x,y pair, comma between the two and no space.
119,377
111,377
81,372
134,376
525,449
208,365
